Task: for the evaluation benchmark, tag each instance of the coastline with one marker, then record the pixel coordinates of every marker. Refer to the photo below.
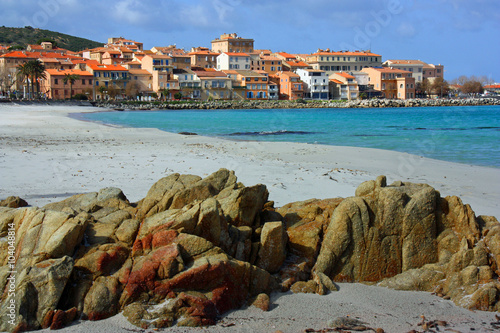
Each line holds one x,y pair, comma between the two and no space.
297,104
48,156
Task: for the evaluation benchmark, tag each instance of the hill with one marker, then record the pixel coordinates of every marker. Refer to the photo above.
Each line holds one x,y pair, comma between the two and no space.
29,35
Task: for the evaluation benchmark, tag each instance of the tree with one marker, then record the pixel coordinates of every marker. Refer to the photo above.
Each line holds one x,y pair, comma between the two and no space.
23,72
424,88
440,87
31,71
472,87
37,72
178,95
71,78
165,93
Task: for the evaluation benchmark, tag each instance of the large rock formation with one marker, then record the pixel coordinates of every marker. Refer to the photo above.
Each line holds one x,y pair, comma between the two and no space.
195,248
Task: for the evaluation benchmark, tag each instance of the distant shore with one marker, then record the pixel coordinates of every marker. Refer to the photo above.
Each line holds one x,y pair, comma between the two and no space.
265,104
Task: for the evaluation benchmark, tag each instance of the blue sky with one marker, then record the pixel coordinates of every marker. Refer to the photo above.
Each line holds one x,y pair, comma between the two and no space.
463,35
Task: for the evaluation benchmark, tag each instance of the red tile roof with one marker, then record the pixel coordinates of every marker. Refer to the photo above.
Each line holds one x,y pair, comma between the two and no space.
234,54
346,53
202,74
492,86
296,63
286,55
63,72
337,81
100,67
344,74
406,62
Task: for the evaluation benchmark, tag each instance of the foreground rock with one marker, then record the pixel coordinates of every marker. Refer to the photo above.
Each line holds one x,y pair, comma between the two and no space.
196,248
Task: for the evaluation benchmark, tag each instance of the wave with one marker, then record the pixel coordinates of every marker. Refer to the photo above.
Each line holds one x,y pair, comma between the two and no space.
264,133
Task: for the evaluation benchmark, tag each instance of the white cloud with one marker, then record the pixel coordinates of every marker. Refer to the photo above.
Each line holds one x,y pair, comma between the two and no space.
406,30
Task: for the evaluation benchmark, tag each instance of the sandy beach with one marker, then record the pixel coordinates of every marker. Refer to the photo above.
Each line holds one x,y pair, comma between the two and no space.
46,156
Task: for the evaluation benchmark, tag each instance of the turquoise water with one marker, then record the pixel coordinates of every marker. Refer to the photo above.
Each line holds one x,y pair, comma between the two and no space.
458,134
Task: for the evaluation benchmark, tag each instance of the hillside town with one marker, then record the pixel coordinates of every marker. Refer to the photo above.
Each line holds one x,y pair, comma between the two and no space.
231,69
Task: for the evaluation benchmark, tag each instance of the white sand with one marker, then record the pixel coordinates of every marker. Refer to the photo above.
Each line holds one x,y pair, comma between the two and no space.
46,156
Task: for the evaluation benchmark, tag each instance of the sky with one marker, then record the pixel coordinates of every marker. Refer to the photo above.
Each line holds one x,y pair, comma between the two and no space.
462,35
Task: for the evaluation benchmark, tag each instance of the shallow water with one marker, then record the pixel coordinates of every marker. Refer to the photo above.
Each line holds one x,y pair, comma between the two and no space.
468,134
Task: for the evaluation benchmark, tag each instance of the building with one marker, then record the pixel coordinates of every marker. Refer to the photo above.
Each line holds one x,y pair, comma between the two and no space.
160,66
416,67
109,80
433,71
54,85
254,83
141,83
215,85
189,83
202,57
393,83
269,64
231,60
492,89
289,84
343,61
129,44
316,84
343,86
232,43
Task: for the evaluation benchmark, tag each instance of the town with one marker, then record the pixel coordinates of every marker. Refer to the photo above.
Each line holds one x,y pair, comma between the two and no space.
230,70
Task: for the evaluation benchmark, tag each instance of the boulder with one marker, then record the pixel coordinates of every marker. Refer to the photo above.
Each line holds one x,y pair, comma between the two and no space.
272,252
13,202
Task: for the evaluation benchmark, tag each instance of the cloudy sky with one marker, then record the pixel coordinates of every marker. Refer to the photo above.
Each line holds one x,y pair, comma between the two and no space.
463,35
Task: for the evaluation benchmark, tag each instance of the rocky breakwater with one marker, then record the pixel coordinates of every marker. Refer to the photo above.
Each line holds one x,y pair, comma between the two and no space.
298,104
195,248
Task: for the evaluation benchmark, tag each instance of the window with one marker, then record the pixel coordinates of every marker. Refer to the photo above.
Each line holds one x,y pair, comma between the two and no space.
56,81
83,82
401,86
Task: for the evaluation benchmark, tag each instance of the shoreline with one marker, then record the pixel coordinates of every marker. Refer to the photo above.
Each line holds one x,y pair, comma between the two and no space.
50,156
93,156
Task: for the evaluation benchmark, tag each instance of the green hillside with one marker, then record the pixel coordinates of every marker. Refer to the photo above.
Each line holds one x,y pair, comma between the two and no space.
29,35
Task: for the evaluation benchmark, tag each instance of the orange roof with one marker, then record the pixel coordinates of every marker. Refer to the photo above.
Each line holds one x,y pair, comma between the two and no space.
15,54
492,86
387,70
202,74
234,54
100,67
139,72
63,72
406,62
36,47
113,52
159,56
337,81
296,63
204,53
269,58
286,55
289,74
344,74
346,53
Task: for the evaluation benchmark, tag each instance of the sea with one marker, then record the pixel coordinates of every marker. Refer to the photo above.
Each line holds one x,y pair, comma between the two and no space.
468,134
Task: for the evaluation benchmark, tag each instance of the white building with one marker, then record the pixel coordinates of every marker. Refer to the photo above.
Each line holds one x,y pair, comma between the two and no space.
231,60
189,83
315,83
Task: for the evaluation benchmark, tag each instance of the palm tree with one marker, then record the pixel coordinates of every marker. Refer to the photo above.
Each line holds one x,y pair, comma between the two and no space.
37,72
23,71
71,78
31,71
